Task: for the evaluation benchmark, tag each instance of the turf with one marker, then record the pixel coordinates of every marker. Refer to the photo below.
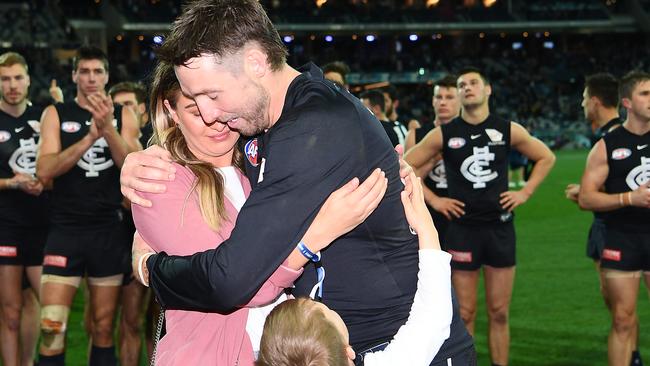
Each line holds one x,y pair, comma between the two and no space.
557,315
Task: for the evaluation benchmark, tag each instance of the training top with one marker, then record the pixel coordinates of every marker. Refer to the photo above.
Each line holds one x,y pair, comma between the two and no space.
476,163
18,146
88,195
628,158
371,272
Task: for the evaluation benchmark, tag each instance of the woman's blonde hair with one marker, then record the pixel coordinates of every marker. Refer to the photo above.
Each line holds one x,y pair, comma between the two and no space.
208,183
296,333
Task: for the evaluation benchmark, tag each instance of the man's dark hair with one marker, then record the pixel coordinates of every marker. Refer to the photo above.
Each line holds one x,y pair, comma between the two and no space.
220,28
89,53
129,87
338,67
469,69
603,86
375,98
447,81
630,81
391,90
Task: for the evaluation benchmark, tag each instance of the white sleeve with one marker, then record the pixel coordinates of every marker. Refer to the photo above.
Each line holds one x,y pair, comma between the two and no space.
419,339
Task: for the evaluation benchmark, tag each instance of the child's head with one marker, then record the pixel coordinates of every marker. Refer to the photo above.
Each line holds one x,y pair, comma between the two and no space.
303,332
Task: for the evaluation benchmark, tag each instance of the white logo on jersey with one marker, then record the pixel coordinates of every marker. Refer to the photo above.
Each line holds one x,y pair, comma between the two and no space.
35,125
456,142
641,147
400,131
472,167
639,175
93,161
620,154
23,160
438,175
494,135
70,126
19,129
474,137
4,136
260,177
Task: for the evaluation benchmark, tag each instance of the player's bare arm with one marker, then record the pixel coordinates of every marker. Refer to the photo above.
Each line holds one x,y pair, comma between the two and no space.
592,196
425,150
534,150
51,162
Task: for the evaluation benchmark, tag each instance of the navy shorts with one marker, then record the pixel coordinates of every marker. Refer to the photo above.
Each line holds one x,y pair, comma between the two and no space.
97,253
626,251
474,246
22,246
596,240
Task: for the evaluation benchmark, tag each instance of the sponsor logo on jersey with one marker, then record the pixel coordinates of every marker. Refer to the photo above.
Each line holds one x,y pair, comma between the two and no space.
55,261
620,154
23,159
70,126
35,125
95,159
19,129
250,150
641,147
463,257
260,177
612,255
474,137
494,135
4,136
8,251
456,142
639,175
505,217
476,168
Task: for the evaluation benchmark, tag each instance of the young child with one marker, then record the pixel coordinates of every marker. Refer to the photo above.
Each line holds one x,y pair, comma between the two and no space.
301,332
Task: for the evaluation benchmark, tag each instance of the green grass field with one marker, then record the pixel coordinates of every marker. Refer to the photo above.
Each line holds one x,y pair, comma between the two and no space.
557,314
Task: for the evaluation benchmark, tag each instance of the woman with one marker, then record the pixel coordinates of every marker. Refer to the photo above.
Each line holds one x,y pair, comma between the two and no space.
202,204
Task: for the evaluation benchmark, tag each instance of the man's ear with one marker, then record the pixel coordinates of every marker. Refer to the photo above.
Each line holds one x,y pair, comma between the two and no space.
627,103
256,62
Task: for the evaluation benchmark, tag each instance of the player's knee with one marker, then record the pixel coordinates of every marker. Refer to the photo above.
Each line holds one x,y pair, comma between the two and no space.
10,316
624,321
468,314
54,319
102,329
498,315
131,325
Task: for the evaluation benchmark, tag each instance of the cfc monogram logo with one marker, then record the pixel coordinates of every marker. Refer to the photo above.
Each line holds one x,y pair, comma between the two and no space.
473,167
94,160
438,175
639,175
23,160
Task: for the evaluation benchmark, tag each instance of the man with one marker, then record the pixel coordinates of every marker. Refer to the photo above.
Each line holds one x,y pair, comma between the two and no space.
391,103
83,145
133,96
475,148
600,103
23,212
235,70
337,72
446,106
374,101
616,181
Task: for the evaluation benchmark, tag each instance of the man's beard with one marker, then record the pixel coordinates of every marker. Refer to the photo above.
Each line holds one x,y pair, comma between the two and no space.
12,103
256,118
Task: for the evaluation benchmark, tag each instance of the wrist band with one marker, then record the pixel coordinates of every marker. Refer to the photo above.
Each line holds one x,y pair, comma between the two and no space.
311,256
140,262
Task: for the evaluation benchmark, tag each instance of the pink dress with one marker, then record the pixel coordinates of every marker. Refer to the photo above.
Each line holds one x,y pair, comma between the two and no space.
175,225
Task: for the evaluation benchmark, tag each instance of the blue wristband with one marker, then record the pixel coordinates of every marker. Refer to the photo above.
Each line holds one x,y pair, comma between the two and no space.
308,253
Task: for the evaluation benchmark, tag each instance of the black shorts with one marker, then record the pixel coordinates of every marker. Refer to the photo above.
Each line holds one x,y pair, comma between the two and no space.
626,250
22,246
596,240
474,246
96,253
129,227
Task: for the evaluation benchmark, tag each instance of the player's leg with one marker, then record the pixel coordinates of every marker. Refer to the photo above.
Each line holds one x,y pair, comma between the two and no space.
132,301
11,303
498,293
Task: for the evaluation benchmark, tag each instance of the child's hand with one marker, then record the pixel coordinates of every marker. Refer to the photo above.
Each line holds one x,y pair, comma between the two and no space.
417,214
